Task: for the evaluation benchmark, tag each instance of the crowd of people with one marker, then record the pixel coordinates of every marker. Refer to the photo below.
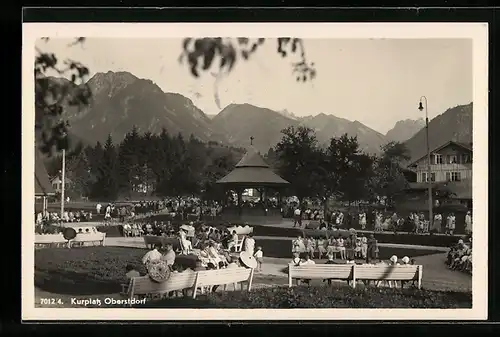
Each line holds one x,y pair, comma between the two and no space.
379,221
211,244
212,248
54,218
354,246
460,256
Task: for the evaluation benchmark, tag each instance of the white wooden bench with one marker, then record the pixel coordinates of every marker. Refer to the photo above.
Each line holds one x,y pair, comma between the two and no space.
216,277
353,273
92,238
388,273
145,287
342,272
48,240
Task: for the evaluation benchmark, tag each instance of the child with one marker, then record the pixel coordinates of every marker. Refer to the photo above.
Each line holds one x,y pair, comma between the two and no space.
259,256
357,250
364,246
296,258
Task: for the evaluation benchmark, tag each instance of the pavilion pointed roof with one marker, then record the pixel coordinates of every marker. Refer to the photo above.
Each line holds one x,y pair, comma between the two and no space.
252,170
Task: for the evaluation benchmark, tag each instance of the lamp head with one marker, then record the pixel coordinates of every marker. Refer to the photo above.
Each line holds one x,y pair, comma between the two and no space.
420,106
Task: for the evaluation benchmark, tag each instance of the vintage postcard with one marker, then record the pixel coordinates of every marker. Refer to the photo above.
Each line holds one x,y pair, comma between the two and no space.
198,171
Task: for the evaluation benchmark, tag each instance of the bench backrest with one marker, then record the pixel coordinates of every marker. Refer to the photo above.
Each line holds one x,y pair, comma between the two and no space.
386,272
89,237
178,281
49,238
224,276
320,271
241,230
355,272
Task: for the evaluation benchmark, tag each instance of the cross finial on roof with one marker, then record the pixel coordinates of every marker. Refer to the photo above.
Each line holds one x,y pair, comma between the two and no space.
251,140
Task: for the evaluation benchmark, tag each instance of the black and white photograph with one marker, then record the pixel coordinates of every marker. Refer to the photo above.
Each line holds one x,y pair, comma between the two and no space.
255,166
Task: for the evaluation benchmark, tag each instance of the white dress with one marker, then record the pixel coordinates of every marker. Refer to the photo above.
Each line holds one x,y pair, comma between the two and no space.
250,245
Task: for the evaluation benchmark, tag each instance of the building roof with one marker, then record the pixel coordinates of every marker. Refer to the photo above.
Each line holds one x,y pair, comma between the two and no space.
42,182
252,170
465,146
252,159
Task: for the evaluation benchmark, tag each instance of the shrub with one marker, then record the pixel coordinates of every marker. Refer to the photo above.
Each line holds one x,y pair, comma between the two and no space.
112,231
323,297
47,229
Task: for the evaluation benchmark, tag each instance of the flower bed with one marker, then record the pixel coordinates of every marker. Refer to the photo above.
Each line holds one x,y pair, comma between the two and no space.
322,297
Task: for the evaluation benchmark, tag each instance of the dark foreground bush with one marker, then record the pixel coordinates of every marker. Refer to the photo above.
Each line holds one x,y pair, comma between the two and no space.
113,231
322,297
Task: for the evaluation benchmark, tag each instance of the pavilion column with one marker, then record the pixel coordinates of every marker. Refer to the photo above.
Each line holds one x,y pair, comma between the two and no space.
264,200
44,207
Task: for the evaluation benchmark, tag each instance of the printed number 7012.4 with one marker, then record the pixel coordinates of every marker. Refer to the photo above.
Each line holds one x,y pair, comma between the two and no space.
50,301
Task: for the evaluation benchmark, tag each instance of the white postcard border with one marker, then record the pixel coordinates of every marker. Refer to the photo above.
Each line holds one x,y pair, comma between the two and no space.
478,32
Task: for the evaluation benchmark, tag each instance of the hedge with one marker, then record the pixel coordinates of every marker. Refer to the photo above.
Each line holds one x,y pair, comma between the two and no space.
270,231
322,297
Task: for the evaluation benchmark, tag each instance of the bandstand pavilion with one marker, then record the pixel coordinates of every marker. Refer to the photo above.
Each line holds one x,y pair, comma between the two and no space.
252,172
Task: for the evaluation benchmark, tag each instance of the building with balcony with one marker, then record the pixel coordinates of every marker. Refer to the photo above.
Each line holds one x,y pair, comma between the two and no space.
451,162
450,175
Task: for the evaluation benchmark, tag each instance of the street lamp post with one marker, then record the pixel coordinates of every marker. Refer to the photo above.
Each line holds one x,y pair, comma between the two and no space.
63,182
423,106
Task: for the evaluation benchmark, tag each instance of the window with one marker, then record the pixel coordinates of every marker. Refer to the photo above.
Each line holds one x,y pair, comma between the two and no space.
452,159
438,159
466,159
424,176
448,176
455,176
433,176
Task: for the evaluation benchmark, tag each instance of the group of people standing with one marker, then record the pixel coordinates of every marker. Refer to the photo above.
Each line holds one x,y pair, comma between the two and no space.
350,248
415,222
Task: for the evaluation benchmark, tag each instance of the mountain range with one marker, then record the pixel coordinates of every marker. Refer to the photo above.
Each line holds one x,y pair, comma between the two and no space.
121,100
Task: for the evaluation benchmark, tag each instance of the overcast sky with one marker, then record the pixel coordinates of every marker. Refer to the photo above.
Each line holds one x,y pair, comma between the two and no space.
374,81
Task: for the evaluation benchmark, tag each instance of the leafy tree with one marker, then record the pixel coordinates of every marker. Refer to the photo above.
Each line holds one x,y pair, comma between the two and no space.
294,153
216,169
200,53
389,180
53,96
79,173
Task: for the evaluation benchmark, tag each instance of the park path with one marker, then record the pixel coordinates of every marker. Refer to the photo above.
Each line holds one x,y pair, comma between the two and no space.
436,275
